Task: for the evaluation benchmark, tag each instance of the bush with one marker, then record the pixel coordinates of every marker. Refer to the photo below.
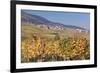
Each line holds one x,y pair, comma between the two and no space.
39,49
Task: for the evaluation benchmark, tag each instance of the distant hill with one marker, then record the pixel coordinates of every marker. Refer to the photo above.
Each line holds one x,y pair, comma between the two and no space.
43,22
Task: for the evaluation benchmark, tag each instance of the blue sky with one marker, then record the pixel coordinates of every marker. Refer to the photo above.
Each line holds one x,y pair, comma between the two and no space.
66,18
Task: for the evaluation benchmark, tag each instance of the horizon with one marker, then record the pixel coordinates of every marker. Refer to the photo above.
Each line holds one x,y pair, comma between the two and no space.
82,20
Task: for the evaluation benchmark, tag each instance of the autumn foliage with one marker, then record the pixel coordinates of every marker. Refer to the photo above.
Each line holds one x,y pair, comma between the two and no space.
40,49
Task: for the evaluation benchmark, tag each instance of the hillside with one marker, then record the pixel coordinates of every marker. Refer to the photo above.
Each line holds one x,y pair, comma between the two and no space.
43,22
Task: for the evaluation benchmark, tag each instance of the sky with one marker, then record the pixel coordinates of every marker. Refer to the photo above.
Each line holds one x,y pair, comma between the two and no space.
66,18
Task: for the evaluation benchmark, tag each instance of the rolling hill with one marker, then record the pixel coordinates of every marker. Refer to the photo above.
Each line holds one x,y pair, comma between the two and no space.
43,22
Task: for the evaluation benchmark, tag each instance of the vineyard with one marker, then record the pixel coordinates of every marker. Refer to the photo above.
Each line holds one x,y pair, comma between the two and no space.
38,48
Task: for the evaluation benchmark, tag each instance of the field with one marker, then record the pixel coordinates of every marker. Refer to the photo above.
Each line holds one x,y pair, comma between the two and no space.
43,45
